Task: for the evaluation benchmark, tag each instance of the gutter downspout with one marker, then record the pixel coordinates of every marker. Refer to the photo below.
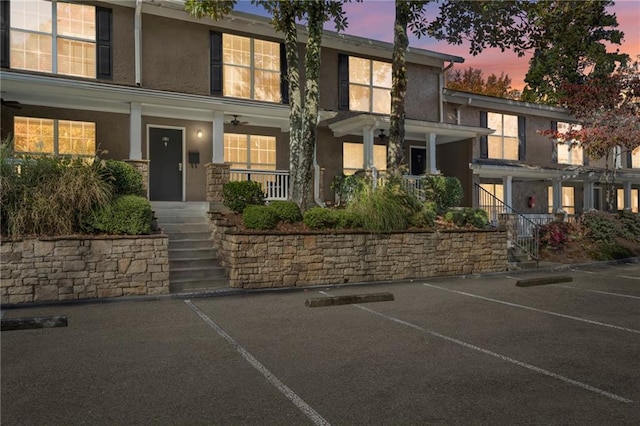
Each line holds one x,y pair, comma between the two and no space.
137,37
441,88
459,108
316,170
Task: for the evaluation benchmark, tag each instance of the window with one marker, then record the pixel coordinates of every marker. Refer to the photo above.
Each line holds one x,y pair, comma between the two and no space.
634,199
503,144
53,36
54,137
488,203
569,151
635,158
251,68
250,151
369,85
568,199
353,155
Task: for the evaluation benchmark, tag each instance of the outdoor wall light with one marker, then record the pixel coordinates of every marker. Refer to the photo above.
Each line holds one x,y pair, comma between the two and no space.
199,133
381,135
165,140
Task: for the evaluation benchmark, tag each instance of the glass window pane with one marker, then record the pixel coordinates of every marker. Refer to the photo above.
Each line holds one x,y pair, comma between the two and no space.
263,152
359,98
494,121
33,15
236,50
352,157
33,135
550,199
76,58
235,150
31,51
76,138
267,86
236,82
76,20
382,74
494,144
381,101
510,148
635,158
380,157
359,70
267,55
510,124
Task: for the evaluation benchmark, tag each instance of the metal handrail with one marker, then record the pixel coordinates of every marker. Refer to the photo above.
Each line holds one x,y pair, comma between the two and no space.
524,232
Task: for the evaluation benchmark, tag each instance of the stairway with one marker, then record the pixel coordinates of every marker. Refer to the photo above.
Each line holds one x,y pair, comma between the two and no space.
193,261
519,259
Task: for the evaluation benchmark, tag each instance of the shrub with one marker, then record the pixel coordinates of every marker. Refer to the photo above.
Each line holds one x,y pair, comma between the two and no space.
600,226
631,225
124,178
347,220
611,251
467,216
260,217
445,191
320,218
425,218
238,195
346,186
287,211
128,214
556,234
383,209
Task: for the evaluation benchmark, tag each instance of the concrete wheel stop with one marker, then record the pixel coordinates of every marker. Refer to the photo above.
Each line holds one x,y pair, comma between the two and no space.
33,322
530,282
348,300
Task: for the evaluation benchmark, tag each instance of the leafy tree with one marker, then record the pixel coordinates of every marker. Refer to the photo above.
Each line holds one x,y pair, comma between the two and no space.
303,102
472,80
570,40
608,112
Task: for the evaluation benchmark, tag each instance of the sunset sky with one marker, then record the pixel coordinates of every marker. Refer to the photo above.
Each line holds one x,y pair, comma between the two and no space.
374,19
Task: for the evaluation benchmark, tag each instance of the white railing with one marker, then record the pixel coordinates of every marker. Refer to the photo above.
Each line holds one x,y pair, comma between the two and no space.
275,183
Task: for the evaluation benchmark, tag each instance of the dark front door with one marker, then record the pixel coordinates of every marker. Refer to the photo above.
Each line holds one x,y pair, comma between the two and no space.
418,161
165,164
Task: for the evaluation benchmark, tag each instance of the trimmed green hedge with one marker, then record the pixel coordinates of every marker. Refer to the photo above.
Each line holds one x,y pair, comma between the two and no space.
260,217
123,177
287,211
238,195
128,214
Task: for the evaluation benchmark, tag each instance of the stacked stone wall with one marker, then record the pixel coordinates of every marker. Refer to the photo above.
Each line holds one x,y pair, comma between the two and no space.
80,268
285,260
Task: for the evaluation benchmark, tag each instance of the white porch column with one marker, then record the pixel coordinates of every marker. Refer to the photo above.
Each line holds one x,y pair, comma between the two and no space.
588,187
431,154
507,185
217,133
627,195
556,185
135,131
367,147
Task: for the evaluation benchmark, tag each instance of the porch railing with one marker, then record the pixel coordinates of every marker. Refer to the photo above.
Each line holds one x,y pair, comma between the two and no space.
275,183
523,232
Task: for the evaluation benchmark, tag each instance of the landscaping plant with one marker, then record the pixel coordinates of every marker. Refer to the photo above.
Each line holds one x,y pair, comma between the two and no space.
287,211
238,195
123,177
128,214
260,217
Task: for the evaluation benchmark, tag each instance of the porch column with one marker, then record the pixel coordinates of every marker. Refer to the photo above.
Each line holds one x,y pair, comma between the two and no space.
217,133
367,148
431,154
588,188
135,131
556,185
507,184
627,195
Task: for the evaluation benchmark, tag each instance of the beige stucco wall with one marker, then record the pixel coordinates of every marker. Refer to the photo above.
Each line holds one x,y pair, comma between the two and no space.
123,45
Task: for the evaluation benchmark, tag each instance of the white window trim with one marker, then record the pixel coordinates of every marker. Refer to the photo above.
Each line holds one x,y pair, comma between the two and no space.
56,139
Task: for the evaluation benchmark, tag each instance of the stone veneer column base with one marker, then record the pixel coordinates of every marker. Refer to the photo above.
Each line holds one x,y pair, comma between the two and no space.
142,166
217,177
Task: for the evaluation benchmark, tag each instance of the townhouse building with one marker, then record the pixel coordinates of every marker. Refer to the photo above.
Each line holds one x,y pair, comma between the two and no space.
143,81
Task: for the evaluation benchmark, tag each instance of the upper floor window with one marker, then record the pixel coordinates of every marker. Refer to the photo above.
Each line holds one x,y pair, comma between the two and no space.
353,157
569,151
504,143
53,36
54,137
251,68
635,158
369,85
251,152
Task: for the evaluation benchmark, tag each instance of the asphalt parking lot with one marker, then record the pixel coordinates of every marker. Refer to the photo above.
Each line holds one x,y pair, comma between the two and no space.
475,350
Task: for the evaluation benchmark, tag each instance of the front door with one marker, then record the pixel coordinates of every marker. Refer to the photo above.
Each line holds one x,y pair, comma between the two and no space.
418,161
165,164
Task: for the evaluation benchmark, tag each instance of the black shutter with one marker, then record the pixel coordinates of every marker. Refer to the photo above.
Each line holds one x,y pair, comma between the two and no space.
5,26
484,142
554,144
104,52
284,77
343,82
585,158
629,159
216,63
522,138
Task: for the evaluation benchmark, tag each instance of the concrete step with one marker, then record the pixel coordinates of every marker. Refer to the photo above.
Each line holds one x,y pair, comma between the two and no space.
183,274
190,236
187,263
193,253
181,228
185,244
171,218
180,206
194,285
514,266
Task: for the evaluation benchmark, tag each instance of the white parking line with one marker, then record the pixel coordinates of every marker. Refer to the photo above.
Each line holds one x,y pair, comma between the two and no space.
597,291
515,305
284,389
628,277
496,355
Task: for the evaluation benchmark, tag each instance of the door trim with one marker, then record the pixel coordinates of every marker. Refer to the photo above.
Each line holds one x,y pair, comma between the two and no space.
184,157
411,148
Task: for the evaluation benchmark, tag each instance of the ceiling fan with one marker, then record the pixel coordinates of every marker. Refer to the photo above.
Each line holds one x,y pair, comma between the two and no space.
10,104
235,122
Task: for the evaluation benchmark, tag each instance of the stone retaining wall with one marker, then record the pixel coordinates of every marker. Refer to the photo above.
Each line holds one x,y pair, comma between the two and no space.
260,260
83,267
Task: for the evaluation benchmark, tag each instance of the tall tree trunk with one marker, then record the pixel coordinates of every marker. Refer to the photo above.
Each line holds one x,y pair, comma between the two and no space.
303,192
398,90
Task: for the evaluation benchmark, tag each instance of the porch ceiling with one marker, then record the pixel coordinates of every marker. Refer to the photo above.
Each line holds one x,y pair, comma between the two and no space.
414,129
57,92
